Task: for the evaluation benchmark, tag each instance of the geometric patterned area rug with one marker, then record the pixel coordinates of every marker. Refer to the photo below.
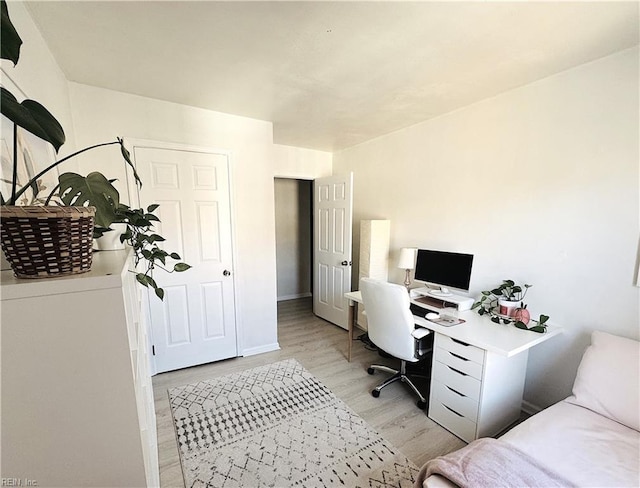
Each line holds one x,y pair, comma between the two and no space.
278,426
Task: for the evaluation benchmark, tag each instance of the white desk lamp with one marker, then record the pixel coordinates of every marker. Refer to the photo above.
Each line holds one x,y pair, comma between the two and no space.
407,262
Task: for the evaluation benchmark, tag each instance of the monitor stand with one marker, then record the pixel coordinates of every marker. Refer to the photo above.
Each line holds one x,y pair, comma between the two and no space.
425,297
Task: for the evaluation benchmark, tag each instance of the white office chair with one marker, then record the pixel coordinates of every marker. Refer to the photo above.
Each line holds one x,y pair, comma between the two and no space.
391,328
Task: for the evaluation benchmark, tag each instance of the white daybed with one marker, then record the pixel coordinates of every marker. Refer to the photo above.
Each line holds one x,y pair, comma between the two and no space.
590,439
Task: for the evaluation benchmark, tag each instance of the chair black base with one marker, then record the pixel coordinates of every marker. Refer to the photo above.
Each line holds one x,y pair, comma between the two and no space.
397,376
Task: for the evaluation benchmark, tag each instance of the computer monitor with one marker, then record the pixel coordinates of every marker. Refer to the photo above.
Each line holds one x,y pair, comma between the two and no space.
444,269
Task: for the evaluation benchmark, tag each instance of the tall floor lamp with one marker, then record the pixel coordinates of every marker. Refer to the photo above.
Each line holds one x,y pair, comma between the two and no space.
407,262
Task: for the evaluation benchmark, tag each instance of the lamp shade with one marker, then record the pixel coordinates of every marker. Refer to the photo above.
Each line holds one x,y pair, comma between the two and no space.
407,258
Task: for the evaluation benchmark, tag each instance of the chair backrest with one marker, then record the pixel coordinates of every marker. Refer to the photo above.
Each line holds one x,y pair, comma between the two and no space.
389,319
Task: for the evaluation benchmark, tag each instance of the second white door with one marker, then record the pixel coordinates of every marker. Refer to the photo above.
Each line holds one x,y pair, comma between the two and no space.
332,238
195,323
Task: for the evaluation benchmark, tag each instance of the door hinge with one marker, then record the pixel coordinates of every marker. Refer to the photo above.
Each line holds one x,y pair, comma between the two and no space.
153,350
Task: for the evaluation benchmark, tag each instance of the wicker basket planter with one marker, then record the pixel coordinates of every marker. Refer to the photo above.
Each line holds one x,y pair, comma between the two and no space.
47,242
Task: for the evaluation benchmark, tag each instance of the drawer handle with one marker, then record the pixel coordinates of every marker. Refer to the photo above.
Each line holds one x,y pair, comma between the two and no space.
458,356
457,371
456,392
452,410
459,342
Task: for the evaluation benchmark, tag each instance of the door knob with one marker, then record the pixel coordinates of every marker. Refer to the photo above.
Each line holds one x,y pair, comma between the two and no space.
346,263
226,272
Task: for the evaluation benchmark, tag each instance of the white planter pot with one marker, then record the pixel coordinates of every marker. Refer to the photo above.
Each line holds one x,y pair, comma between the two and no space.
111,240
507,307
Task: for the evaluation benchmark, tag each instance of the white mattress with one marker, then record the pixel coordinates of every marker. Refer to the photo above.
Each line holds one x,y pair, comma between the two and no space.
584,447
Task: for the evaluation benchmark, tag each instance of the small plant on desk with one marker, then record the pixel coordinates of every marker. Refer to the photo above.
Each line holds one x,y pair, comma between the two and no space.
488,304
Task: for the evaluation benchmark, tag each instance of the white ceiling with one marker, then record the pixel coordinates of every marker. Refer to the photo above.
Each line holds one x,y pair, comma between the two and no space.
328,74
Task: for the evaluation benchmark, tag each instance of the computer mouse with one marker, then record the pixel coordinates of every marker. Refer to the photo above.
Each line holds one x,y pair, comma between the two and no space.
444,290
432,316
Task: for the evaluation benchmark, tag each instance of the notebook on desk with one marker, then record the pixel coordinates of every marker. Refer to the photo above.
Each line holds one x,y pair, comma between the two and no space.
447,322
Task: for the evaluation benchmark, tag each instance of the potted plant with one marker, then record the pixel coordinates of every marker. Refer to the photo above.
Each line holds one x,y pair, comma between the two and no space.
510,295
60,236
504,304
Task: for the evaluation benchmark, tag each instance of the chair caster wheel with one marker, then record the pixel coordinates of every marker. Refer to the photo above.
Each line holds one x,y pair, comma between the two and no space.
371,370
422,405
375,393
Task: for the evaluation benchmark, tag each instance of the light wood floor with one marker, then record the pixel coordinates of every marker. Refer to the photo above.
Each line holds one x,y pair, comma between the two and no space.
321,348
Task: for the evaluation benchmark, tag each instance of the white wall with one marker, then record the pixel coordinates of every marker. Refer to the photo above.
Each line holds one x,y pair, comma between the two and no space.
541,184
293,237
301,163
101,115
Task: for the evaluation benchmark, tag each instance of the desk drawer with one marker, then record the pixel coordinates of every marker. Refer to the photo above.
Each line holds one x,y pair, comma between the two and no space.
456,379
451,420
460,348
459,362
455,400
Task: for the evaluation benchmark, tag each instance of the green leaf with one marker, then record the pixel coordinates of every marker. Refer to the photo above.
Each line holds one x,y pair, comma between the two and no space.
151,208
160,256
32,117
143,279
126,235
175,255
98,232
95,190
495,320
543,319
538,329
10,41
152,282
521,325
151,218
160,293
127,157
179,267
155,238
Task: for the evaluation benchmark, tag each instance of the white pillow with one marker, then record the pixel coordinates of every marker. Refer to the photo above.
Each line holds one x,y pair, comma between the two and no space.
607,380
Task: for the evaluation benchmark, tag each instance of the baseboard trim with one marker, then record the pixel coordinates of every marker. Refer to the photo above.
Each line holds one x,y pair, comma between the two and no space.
293,297
530,408
252,351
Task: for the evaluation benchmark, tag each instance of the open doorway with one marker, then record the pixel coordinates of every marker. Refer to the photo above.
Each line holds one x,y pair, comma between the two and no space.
294,238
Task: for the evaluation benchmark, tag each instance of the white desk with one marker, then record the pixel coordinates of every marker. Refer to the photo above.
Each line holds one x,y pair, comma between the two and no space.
478,371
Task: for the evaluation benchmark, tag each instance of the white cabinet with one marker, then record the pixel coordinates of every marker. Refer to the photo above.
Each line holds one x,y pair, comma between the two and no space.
474,392
77,401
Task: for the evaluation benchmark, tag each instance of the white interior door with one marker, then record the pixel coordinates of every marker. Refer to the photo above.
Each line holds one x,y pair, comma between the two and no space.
195,323
332,237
